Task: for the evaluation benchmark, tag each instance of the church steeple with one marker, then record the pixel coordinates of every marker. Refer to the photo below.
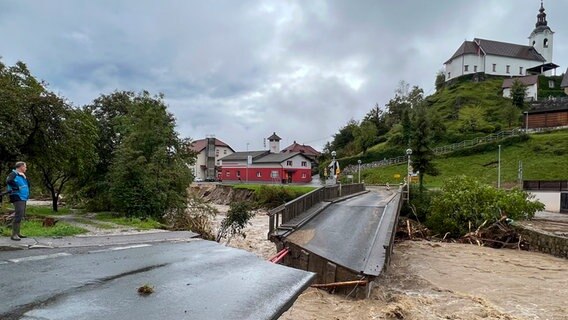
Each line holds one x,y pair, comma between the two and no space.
541,17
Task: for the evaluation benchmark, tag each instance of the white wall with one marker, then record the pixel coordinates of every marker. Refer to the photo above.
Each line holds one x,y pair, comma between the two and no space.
551,200
297,163
456,67
532,92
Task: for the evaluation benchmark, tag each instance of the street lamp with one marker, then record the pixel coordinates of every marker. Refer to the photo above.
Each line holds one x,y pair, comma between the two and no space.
408,153
359,163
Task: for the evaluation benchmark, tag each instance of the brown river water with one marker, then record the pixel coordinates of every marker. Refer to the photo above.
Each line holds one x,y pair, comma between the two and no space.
429,280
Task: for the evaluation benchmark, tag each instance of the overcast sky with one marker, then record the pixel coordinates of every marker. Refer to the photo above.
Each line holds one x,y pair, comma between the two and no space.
241,70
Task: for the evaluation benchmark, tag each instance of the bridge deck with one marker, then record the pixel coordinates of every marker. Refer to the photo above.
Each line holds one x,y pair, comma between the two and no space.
349,233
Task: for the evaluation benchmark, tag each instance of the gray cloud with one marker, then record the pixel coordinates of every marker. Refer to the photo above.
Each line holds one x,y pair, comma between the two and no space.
243,69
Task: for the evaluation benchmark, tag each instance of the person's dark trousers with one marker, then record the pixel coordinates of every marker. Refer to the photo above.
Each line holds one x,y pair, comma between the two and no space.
20,207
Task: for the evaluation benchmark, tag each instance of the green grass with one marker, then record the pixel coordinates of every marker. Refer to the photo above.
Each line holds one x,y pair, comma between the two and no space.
256,187
137,223
46,211
544,157
34,228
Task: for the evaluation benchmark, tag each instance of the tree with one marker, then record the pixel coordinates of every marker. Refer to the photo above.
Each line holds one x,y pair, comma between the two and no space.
472,119
377,117
70,154
110,112
149,174
345,138
404,100
365,136
422,154
440,80
236,220
518,94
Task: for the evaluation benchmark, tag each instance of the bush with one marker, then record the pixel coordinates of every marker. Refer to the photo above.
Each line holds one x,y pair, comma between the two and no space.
197,218
464,204
271,197
420,203
236,220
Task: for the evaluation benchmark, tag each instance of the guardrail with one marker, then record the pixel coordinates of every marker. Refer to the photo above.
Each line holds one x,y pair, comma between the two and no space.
294,208
440,150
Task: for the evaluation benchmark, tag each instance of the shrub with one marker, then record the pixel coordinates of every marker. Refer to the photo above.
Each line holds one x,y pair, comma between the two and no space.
198,217
464,204
236,220
271,197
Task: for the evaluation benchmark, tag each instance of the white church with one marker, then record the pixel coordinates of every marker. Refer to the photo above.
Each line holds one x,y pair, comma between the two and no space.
506,59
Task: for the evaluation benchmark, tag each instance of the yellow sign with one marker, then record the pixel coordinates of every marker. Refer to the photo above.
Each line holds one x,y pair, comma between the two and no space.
414,179
337,171
397,176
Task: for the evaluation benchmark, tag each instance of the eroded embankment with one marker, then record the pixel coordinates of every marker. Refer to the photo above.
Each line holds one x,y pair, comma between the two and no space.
221,194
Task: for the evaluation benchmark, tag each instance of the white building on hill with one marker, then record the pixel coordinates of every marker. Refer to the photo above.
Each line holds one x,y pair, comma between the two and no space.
505,59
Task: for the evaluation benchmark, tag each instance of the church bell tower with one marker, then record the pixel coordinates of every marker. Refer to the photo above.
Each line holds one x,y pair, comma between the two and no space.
542,36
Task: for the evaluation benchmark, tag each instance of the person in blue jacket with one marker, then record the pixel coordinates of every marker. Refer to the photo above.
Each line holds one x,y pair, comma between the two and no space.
19,190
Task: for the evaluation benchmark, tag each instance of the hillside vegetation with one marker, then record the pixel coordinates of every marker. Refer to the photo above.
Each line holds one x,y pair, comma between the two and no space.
544,157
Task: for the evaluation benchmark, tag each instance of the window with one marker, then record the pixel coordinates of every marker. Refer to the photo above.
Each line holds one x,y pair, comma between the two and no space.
449,75
289,163
258,174
474,68
545,43
508,69
520,70
304,163
274,174
228,174
551,84
225,151
238,173
494,67
303,175
465,68
534,42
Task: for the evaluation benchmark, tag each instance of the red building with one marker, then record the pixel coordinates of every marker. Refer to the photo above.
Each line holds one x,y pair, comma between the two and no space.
304,149
267,167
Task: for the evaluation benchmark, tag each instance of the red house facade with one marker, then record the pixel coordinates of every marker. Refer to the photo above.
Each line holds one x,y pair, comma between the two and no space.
266,167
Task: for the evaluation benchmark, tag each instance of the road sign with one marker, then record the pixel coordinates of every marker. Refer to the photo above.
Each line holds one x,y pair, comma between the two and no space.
397,176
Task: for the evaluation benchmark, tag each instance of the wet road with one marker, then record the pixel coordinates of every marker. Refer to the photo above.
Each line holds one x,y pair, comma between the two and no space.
195,280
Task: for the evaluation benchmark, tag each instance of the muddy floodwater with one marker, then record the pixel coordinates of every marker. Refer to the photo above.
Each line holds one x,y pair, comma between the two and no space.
428,280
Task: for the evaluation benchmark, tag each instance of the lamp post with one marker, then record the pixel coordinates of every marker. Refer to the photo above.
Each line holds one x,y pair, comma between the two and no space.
408,153
247,169
359,163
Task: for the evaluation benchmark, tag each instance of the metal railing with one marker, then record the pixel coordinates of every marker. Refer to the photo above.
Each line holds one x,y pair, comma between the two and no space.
296,207
440,150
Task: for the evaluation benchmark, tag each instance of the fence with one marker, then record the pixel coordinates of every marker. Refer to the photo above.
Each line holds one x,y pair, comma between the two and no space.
545,185
294,208
440,150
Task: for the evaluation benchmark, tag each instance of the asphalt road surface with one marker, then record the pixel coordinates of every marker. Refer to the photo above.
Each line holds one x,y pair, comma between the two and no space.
194,280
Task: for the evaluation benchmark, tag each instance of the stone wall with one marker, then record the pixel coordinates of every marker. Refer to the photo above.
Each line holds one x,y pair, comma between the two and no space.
543,241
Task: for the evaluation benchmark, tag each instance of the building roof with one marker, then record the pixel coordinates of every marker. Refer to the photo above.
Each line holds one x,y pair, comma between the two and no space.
497,48
526,81
565,80
243,155
302,148
277,157
274,137
199,145
263,156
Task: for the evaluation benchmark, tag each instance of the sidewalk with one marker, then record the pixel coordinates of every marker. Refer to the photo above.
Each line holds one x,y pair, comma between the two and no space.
97,240
552,222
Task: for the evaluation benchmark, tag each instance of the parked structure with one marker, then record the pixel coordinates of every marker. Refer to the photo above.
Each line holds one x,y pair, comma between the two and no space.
530,82
267,166
505,59
209,151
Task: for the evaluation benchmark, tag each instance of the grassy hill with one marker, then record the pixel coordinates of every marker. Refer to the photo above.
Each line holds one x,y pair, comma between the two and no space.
544,156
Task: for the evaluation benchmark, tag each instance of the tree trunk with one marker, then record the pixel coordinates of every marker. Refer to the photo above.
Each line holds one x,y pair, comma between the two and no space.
54,200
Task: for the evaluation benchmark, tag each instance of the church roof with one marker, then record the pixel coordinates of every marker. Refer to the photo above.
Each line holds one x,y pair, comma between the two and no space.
497,48
565,80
